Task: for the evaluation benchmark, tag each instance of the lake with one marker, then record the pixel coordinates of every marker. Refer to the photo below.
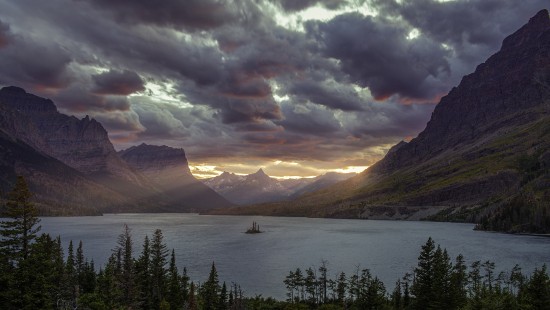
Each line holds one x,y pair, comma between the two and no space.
260,262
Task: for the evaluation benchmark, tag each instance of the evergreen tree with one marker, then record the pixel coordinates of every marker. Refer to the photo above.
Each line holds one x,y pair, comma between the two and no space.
537,291
223,302
143,276
174,293
40,277
20,230
423,283
323,281
459,281
126,280
17,234
159,253
310,283
70,279
210,289
396,296
441,278
341,287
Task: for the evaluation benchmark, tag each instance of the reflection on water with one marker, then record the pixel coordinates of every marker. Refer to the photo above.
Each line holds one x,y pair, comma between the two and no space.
259,262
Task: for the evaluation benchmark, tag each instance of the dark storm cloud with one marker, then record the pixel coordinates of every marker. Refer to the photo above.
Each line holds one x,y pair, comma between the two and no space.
308,119
77,99
116,82
298,5
389,120
190,14
464,24
248,111
377,54
31,64
336,96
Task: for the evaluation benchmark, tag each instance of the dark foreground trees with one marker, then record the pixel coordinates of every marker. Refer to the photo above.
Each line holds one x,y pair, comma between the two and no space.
36,274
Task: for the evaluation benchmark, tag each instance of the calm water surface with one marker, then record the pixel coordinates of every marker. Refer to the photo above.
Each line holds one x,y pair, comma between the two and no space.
260,262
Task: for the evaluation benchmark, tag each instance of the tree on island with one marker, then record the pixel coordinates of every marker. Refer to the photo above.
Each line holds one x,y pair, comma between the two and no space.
255,229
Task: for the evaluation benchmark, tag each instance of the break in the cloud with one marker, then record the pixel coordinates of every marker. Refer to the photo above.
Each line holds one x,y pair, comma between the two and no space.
296,87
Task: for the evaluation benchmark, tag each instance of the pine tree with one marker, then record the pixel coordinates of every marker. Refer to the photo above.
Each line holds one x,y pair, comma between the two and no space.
126,280
70,279
20,230
341,288
458,283
210,289
159,253
396,296
323,281
174,293
17,235
143,276
537,290
40,277
423,284
223,302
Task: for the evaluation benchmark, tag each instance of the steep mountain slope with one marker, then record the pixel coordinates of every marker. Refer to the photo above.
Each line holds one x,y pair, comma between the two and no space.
168,169
49,178
486,143
81,144
321,182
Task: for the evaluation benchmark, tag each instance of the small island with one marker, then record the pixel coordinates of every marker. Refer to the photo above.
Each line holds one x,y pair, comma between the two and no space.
255,229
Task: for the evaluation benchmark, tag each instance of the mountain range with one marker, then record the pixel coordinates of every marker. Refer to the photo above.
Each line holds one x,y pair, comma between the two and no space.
260,188
73,168
484,155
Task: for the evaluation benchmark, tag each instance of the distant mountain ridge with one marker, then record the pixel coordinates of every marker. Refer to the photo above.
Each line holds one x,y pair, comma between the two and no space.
258,187
73,168
484,155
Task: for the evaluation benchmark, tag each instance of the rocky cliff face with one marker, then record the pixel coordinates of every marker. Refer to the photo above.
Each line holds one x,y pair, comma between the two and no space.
81,144
161,164
168,169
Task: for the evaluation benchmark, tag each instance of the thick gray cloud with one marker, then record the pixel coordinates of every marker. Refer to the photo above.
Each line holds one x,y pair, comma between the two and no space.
309,119
376,53
190,14
30,63
117,83
298,5
331,95
76,99
466,26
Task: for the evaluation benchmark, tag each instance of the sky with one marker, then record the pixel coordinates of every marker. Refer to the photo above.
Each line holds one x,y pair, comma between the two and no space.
298,88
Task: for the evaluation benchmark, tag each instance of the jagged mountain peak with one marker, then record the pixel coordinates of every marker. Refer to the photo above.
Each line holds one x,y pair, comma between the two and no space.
259,172
531,31
18,98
